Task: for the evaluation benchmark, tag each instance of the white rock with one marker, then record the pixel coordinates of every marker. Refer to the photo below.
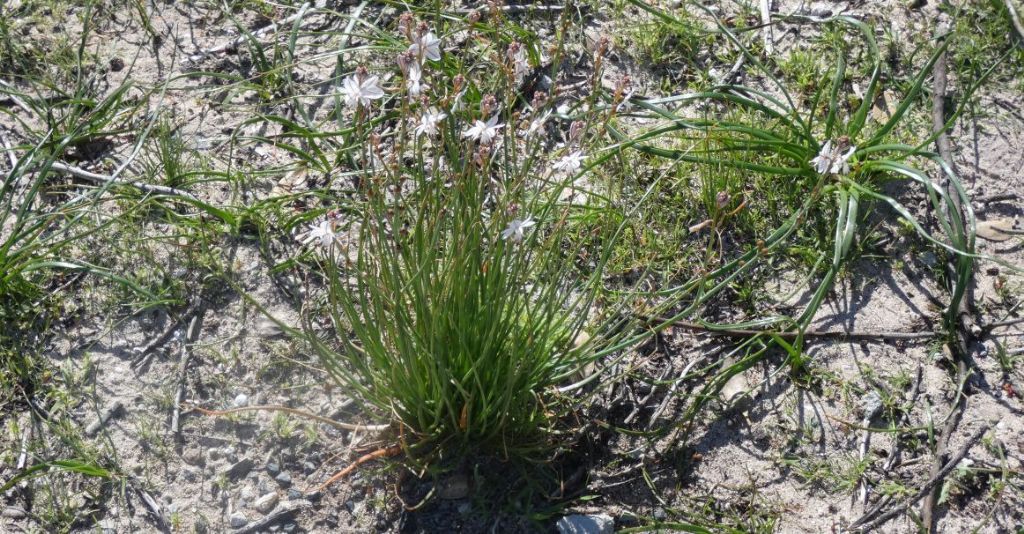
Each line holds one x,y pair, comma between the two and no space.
266,503
586,524
241,400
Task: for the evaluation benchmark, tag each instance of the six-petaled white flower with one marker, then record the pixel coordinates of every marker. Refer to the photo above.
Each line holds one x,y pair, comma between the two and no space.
361,92
413,80
569,164
831,159
428,123
322,234
516,227
483,132
536,125
426,46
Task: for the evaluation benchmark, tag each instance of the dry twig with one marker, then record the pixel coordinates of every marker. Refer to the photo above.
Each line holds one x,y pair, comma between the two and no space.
865,524
277,408
101,178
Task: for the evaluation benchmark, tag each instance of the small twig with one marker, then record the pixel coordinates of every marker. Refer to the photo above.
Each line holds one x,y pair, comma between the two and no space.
521,8
283,510
14,98
116,409
303,9
640,405
26,435
904,420
142,357
998,197
941,446
186,357
386,452
100,178
734,70
861,524
302,413
154,508
827,334
999,324
962,324
10,151
766,21
1015,20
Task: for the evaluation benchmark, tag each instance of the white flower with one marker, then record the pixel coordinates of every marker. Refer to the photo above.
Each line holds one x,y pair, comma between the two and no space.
569,164
831,161
484,132
413,81
515,228
519,65
428,123
363,92
322,233
426,46
536,125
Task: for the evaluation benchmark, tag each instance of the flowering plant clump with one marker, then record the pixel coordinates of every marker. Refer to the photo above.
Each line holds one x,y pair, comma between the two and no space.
464,308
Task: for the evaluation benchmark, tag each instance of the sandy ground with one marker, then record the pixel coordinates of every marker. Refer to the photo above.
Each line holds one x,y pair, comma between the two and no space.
749,457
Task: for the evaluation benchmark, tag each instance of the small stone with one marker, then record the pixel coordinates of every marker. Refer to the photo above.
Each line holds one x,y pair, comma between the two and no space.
237,520
266,503
284,479
586,524
116,64
13,512
870,405
193,457
273,468
308,467
294,494
239,469
290,527
454,487
240,401
734,392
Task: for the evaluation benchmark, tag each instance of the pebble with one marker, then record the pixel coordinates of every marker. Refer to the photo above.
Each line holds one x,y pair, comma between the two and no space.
266,503
193,457
273,468
239,469
237,520
586,524
294,494
13,512
284,479
290,527
241,400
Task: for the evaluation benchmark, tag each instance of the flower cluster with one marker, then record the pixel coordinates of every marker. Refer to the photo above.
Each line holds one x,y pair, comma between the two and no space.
832,160
431,102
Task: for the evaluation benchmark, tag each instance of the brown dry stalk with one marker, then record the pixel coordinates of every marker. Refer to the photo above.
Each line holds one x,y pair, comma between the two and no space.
386,452
294,411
